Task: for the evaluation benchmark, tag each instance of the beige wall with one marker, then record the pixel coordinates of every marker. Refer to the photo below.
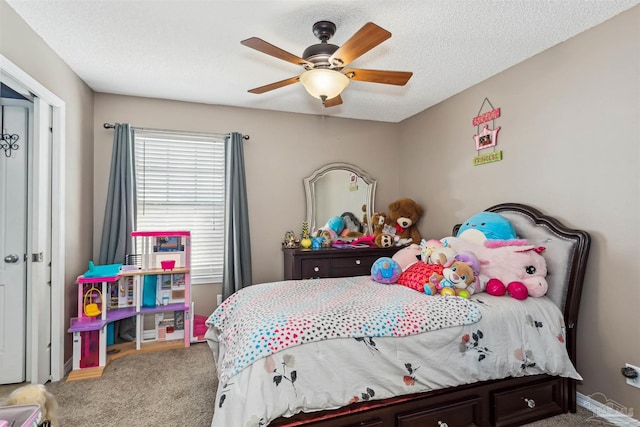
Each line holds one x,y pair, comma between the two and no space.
283,149
570,131
570,138
23,47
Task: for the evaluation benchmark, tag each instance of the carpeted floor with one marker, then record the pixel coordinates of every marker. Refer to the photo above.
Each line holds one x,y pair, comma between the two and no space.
166,388
171,388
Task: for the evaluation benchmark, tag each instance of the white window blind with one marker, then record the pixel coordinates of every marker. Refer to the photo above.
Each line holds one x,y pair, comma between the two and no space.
180,185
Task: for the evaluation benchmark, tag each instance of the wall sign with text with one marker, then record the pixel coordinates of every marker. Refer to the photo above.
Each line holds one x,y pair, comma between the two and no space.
487,137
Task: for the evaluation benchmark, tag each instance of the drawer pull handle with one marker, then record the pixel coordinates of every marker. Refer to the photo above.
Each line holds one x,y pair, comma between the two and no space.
530,402
357,262
441,424
316,269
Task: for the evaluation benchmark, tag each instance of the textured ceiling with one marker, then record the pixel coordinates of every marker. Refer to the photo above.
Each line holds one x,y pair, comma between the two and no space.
190,50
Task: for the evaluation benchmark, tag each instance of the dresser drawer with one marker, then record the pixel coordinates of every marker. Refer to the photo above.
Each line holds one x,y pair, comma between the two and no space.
316,267
331,262
455,414
541,400
352,266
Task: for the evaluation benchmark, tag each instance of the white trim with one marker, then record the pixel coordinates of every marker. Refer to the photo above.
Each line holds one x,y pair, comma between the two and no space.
58,210
606,411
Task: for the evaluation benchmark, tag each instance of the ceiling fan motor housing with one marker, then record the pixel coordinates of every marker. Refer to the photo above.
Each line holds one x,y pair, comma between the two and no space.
319,54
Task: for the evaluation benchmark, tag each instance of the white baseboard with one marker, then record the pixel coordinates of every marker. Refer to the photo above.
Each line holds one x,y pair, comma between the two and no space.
607,409
68,366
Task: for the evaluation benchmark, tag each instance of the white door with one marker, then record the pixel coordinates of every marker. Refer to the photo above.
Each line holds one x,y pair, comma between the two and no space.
39,245
13,239
45,225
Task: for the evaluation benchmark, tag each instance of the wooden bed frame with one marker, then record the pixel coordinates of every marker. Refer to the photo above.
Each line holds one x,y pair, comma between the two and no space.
505,402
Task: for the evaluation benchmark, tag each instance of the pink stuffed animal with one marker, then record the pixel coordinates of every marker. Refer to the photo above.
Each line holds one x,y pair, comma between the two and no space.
518,269
434,252
407,256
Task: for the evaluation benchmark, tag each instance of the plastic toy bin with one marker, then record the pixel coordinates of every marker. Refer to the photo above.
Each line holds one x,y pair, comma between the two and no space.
20,416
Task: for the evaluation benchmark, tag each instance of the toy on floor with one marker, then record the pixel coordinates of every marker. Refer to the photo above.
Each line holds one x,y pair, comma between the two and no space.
37,394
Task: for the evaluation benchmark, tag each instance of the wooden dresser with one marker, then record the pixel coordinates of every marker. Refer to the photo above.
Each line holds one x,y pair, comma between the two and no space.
331,262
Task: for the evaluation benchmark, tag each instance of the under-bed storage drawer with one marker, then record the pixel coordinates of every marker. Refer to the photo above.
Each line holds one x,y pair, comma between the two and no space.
536,401
456,414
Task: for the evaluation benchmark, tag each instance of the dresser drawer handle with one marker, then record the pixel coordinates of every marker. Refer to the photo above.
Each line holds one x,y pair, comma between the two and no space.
357,262
530,402
316,269
441,424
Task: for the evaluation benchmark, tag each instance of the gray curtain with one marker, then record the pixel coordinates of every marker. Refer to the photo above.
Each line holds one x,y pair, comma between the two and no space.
120,211
237,244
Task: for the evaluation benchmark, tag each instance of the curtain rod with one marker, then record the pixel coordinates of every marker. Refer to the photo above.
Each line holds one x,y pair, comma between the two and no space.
110,126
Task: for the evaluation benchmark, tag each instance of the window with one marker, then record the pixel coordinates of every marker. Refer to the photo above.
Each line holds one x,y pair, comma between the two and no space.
180,180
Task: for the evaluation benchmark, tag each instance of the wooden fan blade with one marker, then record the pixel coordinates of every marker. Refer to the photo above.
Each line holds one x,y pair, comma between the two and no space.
276,85
264,47
365,39
399,78
333,102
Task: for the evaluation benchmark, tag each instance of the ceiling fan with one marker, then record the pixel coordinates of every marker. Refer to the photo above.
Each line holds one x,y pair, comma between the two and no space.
325,75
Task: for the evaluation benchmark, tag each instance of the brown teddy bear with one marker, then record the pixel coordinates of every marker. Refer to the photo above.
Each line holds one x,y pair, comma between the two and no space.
404,214
380,226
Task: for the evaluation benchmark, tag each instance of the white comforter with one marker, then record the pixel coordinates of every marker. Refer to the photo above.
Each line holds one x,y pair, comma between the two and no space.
514,338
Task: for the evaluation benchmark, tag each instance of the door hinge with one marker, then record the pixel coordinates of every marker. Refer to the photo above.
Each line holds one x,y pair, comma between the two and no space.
39,257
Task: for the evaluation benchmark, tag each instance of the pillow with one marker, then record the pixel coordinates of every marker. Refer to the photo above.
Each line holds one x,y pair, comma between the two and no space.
418,274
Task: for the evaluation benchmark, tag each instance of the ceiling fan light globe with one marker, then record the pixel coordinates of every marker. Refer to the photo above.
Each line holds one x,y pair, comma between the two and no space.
325,83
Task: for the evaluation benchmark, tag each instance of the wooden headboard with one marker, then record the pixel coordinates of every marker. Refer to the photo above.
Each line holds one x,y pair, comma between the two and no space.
566,255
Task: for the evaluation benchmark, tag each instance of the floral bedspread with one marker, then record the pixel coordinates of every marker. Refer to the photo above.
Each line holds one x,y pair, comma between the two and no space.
512,338
264,319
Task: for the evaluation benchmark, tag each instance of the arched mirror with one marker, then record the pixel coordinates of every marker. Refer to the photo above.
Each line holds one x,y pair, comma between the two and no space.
337,188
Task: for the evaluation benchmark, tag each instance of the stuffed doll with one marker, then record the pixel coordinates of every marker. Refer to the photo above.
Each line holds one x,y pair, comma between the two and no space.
459,277
434,252
404,215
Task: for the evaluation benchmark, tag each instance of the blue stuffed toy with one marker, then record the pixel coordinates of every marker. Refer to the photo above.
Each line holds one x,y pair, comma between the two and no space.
486,226
332,229
385,270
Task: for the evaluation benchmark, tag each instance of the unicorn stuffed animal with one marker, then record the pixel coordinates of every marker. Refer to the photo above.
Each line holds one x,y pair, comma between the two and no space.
508,266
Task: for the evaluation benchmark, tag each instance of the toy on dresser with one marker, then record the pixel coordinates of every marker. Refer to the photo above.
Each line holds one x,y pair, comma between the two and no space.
404,215
398,227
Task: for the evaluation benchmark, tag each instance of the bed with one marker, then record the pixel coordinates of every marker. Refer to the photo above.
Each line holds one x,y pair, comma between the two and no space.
353,352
